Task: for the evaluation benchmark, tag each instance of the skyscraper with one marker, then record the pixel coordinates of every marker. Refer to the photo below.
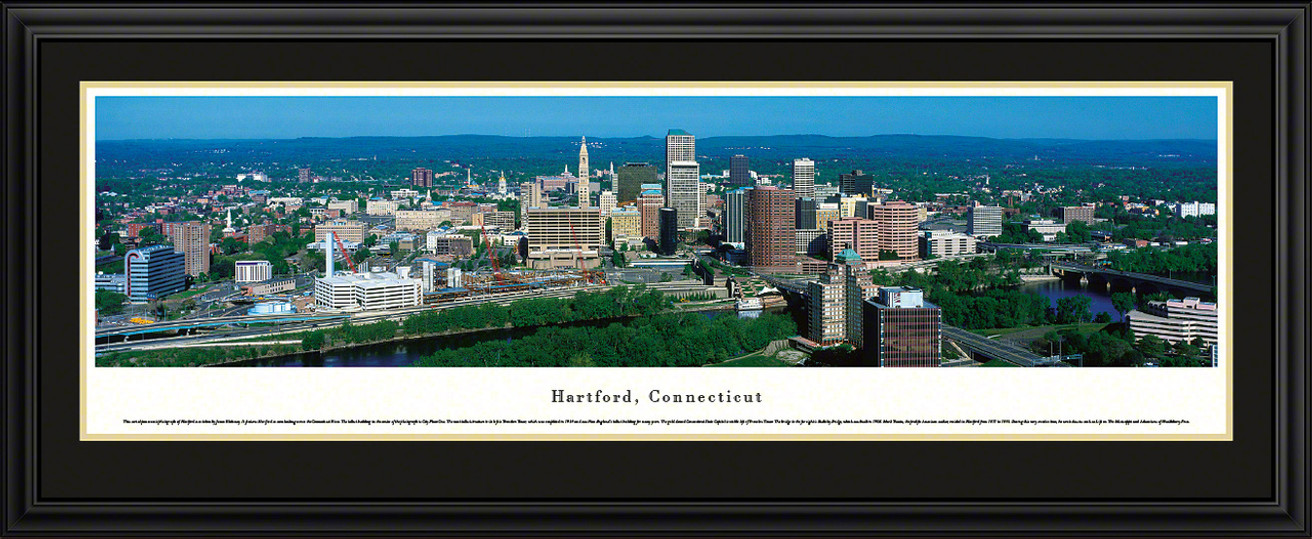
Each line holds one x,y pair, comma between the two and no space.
804,178
303,175
421,177
585,195
902,329
649,206
856,183
669,231
630,178
804,213
193,240
739,175
859,235
896,223
735,214
984,221
836,298
682,175
769,229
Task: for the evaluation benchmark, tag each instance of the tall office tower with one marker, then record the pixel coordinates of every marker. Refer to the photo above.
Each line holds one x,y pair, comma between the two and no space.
836,300
859,235
154,272
769,230
564,238
530,196
739,175
855,183
193,240
585,195
303,175
669,231
984,221
804,213
649,206
804,178
896,224
630,178
421,177
735,214
682,175
902,329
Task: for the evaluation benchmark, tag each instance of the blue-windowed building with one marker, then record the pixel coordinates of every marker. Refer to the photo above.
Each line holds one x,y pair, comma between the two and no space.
155,272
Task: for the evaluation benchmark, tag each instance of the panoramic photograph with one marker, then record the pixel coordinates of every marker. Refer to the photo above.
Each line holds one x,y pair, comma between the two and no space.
1052,231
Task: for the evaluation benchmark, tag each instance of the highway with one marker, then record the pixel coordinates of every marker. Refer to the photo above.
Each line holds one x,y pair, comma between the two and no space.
1003,350
296,322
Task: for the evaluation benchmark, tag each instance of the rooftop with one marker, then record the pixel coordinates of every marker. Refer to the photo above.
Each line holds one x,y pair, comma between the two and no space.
678,133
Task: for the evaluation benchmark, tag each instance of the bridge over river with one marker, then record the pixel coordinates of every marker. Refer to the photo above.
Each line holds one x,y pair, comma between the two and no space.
1126,280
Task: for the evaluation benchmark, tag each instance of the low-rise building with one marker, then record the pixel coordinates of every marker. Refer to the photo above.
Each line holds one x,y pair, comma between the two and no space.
253,271
366,292
1177,320
1047,228
946,243
421,221
378,206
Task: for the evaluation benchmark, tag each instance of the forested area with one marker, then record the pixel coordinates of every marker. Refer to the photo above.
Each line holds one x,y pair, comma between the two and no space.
666,340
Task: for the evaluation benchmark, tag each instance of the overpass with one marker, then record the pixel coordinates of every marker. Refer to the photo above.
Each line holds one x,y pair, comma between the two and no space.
184,325
992,348
1140,282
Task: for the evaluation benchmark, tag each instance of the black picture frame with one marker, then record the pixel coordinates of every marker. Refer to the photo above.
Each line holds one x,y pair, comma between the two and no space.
46,493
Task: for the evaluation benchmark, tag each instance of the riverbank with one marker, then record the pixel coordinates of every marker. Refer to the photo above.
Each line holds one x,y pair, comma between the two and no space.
1038,278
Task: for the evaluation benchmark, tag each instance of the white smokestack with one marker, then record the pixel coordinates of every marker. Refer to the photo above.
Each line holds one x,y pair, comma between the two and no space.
329,257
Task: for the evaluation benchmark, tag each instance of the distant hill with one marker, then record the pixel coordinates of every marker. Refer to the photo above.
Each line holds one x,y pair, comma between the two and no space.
388,155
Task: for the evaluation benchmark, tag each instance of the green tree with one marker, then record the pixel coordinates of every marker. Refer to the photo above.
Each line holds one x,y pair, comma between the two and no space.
1123,302
1074,310
150,236
109,302
107,241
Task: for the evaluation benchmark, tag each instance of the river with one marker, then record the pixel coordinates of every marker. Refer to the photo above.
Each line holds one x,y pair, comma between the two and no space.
1057,289
404,353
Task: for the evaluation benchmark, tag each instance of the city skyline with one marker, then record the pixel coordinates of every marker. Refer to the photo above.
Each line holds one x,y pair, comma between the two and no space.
1058,117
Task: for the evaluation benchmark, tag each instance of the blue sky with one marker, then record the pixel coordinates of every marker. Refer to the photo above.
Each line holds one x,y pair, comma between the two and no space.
120,118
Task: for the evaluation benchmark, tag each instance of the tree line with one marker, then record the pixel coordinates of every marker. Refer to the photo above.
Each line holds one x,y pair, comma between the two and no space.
667,340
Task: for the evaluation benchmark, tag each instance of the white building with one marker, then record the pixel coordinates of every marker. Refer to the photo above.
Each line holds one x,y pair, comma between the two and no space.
401,194
1048,228
453,278
381,207
606,201
348,207
253,271
804,178
942,243
1193,209
682,177
1177,320
366,292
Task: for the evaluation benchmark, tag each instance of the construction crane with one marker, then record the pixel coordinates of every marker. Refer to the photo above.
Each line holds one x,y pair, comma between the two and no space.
345,255
588,276
492,254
